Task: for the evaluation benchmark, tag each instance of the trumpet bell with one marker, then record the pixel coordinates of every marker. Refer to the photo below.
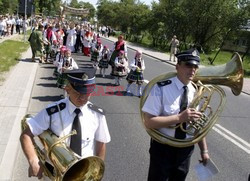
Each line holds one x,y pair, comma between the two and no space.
90,168
230,74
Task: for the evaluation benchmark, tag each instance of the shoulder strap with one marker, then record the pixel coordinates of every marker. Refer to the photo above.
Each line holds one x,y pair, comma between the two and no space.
163,83
96,108
54,109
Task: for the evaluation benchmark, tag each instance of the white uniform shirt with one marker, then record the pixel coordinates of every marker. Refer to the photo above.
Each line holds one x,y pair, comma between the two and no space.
165,101
93,125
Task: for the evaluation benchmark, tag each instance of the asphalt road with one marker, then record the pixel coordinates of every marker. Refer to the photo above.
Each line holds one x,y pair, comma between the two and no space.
127,154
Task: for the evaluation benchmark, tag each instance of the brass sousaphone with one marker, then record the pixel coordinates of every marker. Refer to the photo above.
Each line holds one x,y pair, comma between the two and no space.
68,166
206,81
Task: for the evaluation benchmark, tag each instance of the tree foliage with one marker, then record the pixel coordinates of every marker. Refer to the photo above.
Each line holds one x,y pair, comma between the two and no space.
205,23
8,6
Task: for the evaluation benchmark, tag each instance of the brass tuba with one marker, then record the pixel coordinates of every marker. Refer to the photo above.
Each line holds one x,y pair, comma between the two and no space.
229,74
67,165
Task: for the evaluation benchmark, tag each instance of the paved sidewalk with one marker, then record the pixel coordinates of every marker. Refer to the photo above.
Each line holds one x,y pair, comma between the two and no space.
14,100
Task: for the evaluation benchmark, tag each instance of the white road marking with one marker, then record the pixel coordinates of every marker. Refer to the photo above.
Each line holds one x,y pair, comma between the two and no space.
234,136
232,140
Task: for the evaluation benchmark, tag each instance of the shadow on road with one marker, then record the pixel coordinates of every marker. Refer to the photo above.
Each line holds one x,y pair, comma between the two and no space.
48,98
47,84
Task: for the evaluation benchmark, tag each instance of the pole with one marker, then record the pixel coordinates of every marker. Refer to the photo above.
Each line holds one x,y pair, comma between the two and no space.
25,17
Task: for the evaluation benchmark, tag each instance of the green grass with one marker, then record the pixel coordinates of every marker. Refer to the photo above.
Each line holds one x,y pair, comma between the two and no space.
10,53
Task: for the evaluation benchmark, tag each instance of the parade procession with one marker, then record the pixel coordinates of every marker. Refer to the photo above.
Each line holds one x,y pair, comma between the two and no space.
90,100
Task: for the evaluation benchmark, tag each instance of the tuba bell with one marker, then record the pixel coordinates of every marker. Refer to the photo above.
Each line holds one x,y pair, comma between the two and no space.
206,82
67,165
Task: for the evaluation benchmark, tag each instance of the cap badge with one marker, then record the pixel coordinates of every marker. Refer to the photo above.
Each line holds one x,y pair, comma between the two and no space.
85,77
194,53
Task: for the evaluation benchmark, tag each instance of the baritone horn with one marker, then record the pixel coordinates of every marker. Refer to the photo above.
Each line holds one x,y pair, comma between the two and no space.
206,82
67,165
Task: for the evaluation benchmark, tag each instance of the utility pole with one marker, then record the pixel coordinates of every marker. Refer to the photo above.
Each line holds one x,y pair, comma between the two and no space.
25,17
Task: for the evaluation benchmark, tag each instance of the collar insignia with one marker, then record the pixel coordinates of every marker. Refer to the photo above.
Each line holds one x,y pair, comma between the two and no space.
85,77
194,53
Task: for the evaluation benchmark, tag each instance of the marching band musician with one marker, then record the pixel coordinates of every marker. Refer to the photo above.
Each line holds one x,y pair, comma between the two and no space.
166,105
74,112
137,67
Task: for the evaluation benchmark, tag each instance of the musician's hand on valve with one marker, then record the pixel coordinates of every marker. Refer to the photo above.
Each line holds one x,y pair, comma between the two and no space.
189,115
35,169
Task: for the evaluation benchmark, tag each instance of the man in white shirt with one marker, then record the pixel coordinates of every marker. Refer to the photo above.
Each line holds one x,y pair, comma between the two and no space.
165,107
60,117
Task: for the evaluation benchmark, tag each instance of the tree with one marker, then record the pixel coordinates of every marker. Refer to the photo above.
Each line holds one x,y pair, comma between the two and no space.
7,6
90,7
74,4
47,7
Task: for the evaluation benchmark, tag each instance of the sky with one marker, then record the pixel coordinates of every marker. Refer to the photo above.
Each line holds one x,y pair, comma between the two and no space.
147,2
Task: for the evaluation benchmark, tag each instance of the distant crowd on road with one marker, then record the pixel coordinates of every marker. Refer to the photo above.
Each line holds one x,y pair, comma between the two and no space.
54,41
10,25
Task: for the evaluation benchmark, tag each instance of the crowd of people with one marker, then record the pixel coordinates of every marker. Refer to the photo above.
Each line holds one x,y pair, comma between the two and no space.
10,25
50,40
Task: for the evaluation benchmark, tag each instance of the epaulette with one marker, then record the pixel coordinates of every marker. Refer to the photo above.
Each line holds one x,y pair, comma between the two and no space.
163,83
53,109
96,108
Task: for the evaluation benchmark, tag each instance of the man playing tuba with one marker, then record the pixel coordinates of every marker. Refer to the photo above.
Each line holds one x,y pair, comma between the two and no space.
72,113
167,105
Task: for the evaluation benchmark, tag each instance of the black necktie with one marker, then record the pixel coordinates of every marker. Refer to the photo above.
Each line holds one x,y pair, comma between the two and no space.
76,140
179,134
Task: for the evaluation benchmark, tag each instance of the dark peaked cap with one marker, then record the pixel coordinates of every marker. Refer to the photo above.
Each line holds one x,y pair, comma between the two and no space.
191,56
82,80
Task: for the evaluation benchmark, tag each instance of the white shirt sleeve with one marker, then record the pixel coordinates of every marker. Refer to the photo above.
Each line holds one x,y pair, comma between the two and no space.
153,104
102,132
39,123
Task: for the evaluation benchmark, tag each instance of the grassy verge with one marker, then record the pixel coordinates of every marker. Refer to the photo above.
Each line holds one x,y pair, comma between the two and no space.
10,53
